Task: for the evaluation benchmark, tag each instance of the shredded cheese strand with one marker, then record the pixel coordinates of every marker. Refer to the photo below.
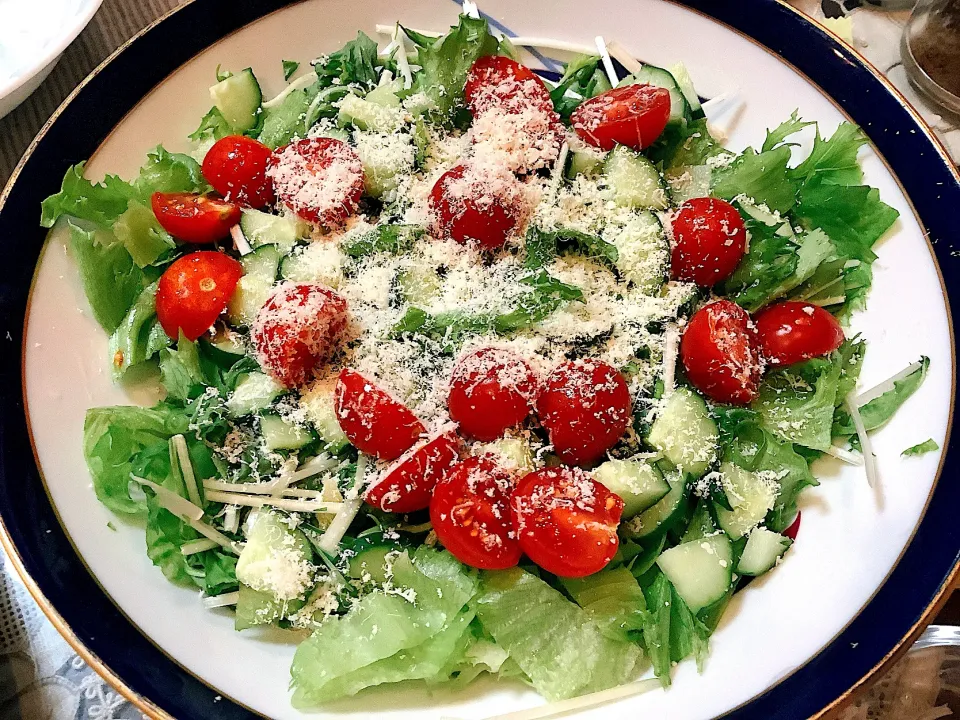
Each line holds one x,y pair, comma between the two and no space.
231,518
671,351
257,501
224,600
624,57
301,83
869,459
887,385
851,458
607,62
403,65
330,540
240,241
208,531
550,44
186,469
197,546
171,501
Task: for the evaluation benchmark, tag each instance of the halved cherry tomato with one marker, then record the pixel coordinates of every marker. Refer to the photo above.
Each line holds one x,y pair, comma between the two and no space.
236,166
470,512
793,331
472,204
490,390
792,531
585,407
709,241
320,179
632,115
499,83
373,421
296,329
194,290
565,521
408,484
719,353
194,218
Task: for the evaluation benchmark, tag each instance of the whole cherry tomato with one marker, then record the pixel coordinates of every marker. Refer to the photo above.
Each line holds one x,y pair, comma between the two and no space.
408,484
194,290
373,421
792,331
632,115
499,83
194,218
236,166
720,355
709,241
474,204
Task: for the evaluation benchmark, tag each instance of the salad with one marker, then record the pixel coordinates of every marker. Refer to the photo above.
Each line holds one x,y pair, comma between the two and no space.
470,371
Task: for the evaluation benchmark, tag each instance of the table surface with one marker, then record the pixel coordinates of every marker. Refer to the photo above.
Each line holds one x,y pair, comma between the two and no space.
40,675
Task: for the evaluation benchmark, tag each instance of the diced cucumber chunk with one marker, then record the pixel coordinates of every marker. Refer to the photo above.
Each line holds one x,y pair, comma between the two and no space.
278,434
701,571
385,158
664,515
763,549
659,77
373,562
251,293
701,524
685,433
512,453
584,162
639,484
260,228
366,115
320,261
253,393
643,254
318,404
274,553
262,262
682,76
751,497
419,285
337,133
634,181
260,607
386,94
238,99
689,181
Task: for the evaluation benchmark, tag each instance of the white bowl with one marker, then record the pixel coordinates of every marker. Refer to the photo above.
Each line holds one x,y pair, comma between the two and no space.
34,35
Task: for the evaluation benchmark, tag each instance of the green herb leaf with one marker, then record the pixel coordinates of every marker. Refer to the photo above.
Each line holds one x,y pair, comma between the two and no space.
289,68
926,446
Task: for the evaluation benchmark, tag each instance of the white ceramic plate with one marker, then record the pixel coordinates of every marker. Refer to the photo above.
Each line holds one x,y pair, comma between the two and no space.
852,535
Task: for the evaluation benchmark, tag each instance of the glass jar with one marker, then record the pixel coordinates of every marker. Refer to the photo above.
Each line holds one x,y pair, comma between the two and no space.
931,52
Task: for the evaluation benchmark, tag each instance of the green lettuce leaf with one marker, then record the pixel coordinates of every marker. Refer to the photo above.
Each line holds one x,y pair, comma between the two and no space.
213,126
879,410
298,112
555,642
289,68
797,403
542,246
583,76
688,144
613,600
656,631
929,445
762,176
833,160
139,232
139,336
779,134
169,172
356,62
111,280
393,239
180,371
101,203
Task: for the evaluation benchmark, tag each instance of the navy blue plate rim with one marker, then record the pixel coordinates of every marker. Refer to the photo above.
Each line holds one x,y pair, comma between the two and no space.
42,553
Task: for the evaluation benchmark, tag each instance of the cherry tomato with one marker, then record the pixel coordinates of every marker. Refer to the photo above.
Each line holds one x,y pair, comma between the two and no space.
792,331
470,204
320,179
565,521
499,83
585,407
194,290
194,218
719,353
297,329
236,166
709,241
373,421
632,115
408,484
470,512
792,531
490,390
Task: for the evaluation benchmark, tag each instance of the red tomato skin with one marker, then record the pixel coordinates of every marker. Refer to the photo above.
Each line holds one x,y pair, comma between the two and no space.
499,83
794,529
236,167
565,521
314,158
470,512
633,115
793,331
709,241
472,216
194,290
373,421
296,330
491,390
585,407
194,218
719,353
407,485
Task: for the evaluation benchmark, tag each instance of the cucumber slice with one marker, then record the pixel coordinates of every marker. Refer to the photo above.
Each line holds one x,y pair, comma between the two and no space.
320,261
254,392
260,607
278,434
664,515
317,402
386,94
763,549
685,433
659,77
238,99
262,262
373,562
639,484
680,74
750,496
634,181
274,556
643,254
701,571
584,162
251,293
366,115
385,159
260,228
